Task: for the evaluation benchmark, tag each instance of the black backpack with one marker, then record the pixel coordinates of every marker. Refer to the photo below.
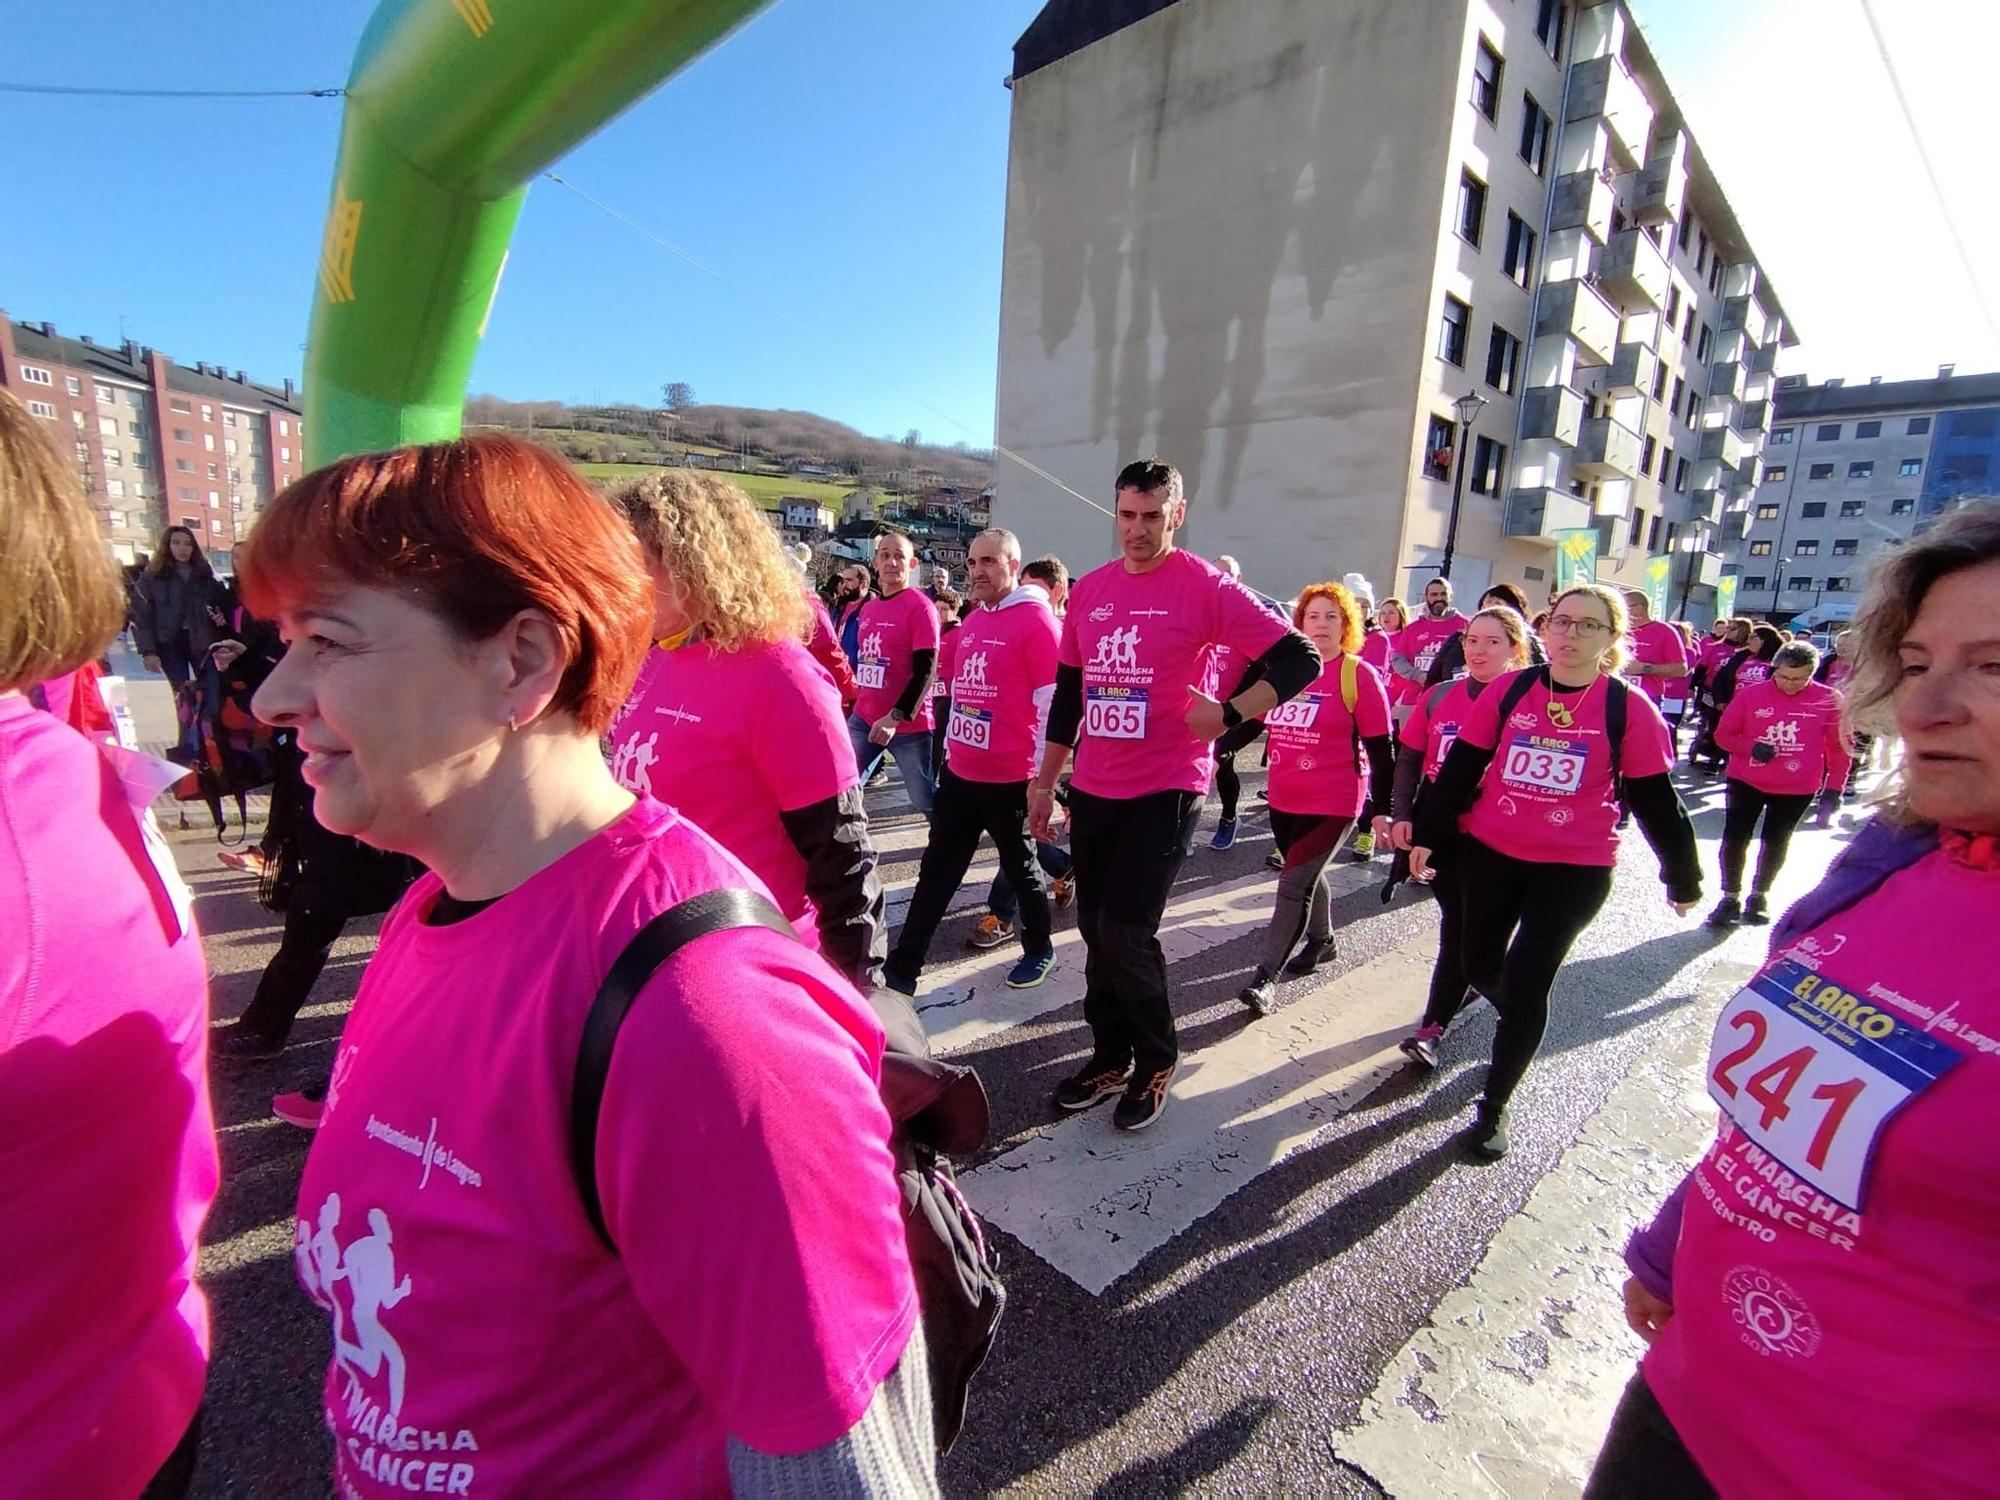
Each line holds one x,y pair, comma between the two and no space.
936,1110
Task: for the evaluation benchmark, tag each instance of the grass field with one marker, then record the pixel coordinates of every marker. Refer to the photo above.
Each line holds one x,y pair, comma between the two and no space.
766,489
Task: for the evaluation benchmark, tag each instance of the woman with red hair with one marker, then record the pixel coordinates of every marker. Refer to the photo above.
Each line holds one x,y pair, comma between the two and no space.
1316,788
463,620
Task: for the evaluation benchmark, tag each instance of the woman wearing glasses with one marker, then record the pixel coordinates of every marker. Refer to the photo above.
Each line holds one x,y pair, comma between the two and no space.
1533,784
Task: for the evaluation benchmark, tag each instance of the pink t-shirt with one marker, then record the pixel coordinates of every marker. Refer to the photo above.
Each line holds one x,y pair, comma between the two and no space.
941,675
1656,642
732,739
484,1338
1421,640
1547,795
1142,642
1803,728
1712,653
1313,761
1003,659
1431,732
107,1147
1835,1324
891,630
1752,671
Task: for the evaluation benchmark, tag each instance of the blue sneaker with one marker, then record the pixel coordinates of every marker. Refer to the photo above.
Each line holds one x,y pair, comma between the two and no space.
1030,971
1225,834
901,984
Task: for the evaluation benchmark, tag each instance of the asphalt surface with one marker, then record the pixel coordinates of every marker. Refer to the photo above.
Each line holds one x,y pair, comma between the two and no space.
1232,1359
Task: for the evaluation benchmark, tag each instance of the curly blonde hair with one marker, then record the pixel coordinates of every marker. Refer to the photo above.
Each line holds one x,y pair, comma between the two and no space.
718,557
1613,659
1344,601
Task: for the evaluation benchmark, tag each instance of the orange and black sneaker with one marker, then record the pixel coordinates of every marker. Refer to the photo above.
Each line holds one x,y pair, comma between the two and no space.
1145,1097
1097,1081
990,933
1063,889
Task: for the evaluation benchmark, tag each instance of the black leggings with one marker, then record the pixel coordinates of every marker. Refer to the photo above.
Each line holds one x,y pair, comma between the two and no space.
1228,785
1781,813
1448,996
1520,919
289,977
1643,1458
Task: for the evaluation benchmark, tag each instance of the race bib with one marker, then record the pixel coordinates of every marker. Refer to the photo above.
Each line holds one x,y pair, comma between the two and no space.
971,727
1427,656
1812,1072
1672,706
1114,713
1447,736
1301,712
871,673
1545,763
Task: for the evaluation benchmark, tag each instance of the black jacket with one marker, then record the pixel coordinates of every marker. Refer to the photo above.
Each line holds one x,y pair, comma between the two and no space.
174,605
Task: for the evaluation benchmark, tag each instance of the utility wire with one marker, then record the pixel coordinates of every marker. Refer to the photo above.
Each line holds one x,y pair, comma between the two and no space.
98,93
812,333
1937,187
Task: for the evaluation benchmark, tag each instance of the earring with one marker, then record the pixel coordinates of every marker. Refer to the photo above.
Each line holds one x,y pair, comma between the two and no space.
512,727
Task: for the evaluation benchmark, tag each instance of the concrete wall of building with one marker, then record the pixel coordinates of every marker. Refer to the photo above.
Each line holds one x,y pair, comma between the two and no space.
1222,229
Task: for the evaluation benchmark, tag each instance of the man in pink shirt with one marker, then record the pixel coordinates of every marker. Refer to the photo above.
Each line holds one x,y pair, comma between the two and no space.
1004,659
1418,643
1659,658
1135,643
895,659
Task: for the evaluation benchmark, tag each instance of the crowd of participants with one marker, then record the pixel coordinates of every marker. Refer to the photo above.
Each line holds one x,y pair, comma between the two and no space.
553,719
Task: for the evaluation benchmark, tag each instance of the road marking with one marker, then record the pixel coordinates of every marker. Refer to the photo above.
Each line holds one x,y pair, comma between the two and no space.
1094,1202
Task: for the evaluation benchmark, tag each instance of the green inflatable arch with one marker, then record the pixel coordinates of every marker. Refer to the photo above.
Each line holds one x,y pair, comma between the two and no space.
452,107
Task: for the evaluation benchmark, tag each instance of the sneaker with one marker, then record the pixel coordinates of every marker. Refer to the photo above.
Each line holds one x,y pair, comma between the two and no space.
1421,1046
1757,910
990,933
1363,846
1315,952
302,1109
1261,993
1143,1101
1488,1136
1062,891
879,778
1095,1082
251,861
1225,834
240,1040
902,984
1031,970
1274,861
1728,912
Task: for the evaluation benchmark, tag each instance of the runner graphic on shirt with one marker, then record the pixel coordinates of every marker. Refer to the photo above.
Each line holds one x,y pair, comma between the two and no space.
369,1269
632,763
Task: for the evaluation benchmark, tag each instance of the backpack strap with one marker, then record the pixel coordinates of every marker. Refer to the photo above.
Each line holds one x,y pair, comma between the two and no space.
1518,689
1437,696
1350,695
650,947
1617,705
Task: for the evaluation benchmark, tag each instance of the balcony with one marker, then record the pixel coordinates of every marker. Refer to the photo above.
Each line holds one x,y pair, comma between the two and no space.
1735,525
1583,200
1721,444
1633,271
1614,537
1606,450
1725,382
1661,190
1706,505
1574,310
1602,88
1708,569
1538,515
1719,411
1744,313
1748,472
1765,360
1753,419
1632,369
1552,411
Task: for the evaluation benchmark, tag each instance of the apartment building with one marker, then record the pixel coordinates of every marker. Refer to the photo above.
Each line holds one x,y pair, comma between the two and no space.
1275,241
155,442
1850,471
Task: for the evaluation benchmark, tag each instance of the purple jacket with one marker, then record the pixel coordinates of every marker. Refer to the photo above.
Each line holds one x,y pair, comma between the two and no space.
1880,850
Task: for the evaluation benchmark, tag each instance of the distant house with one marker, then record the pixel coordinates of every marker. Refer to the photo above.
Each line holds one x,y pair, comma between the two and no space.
806,516
808,468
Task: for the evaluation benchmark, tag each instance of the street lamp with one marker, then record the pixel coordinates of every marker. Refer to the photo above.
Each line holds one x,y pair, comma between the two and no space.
1778,585
1694,543
1467,409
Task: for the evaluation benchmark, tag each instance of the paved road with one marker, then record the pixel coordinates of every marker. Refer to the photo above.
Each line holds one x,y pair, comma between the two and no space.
1295,1283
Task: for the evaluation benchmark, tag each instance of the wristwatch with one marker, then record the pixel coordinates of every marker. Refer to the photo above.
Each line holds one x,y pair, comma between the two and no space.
1231,714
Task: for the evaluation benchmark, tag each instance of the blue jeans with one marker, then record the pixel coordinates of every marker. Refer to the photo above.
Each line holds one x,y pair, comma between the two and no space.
912,752
1000,897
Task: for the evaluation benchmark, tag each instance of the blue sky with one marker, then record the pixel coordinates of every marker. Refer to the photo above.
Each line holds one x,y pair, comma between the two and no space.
846,161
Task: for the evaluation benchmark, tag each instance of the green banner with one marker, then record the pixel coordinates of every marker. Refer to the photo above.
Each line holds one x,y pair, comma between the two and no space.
1725,597
1576,556
1659,583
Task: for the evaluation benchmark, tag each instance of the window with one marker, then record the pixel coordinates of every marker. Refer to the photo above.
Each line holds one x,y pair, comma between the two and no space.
1535,130
213,472
1486,66
1755,581
140,458
136,429
1673,302
1918,427
229,447
1707,343
1827,432
1760,549
285,454
1867,429
1807,548
1503,360
1799,581
208,441
1659,380
229,419
1862,470
115,517
83,453
1903,506
1820,471
1781,436
188,494
1452,329
1686,230
75,386
42,409
1767,512
1847,546
1774,473
1489,466
207,412
1520,259
285,428
1813,510
1680,476
180,406
1694,409
1437,447
1852,508
1838,583
1646,458
115,488
1551,16
182,435
1910,466
1471,208
183,466
1687,326
36,375
1637,529
1680,393
214,500
107,427
111,458
1653,536
1715,275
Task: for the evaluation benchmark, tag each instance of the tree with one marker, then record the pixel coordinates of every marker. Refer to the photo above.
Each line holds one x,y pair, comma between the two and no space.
679,395
912,439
